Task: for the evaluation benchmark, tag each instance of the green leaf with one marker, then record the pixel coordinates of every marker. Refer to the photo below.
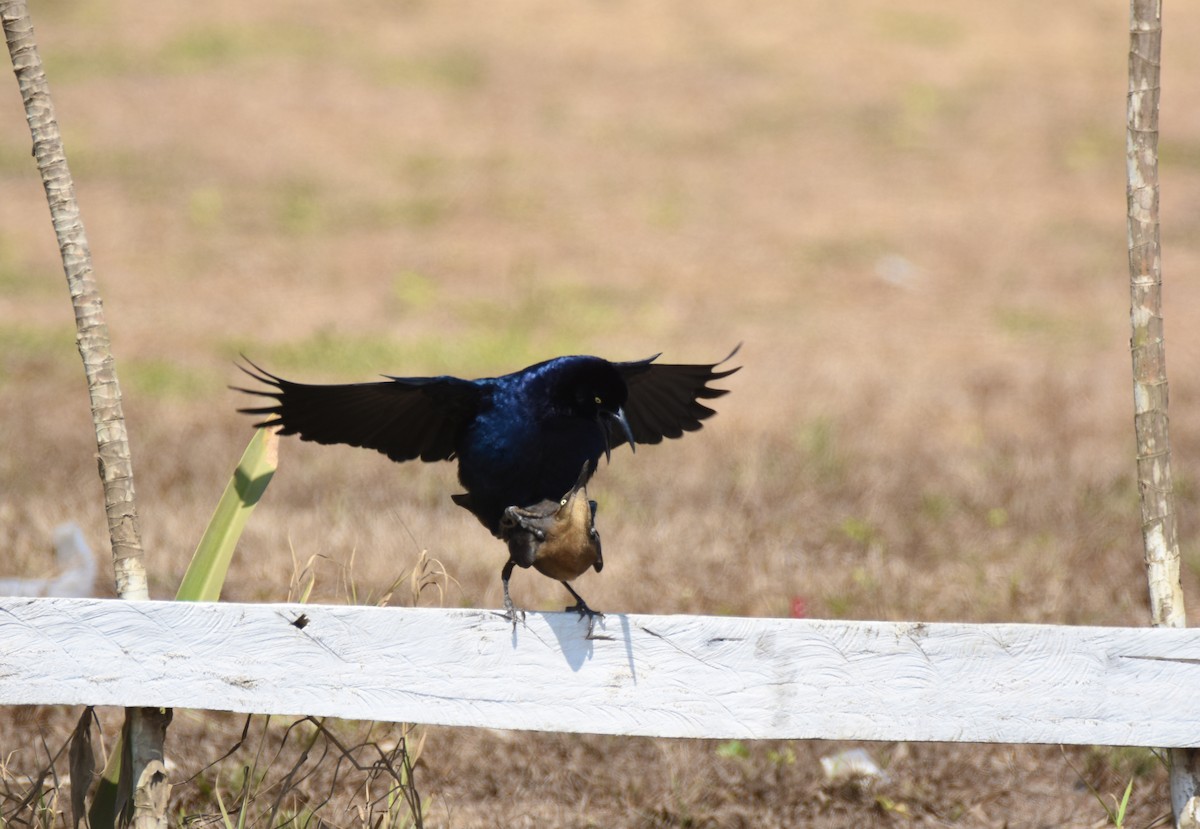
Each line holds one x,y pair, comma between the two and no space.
206,574
733,750
1119,818
109,800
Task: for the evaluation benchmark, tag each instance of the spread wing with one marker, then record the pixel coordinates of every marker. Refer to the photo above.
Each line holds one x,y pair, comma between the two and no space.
404,418
664,399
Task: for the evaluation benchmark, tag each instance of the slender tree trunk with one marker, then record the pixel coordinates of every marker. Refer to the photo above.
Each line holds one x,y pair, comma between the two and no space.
112,444
1148,348
116,471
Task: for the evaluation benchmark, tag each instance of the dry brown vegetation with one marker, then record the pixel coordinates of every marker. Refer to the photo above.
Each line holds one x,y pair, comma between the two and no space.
913,216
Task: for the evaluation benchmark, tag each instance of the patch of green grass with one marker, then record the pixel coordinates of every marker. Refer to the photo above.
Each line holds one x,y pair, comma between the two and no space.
36,341
1039,323
1125,761
164,379
502,350
782,757
132,169
531,322
1179,153
18,277
147,174
223,46
299,209
838,605
1184,484
340,354
733,750
413,291
1118,496
936,506
306,207
194,50
923,108
497,335
864,579
208,46
206,207
923,101
1190,553
858,530
326,352
913,118
100,60
1015,589
817,442
558,311
51,345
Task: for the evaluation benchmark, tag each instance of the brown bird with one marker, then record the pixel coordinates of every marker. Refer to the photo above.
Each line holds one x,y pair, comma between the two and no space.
558,539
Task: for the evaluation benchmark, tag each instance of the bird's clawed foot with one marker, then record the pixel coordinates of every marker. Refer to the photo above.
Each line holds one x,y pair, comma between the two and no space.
581,607
518,518
511,612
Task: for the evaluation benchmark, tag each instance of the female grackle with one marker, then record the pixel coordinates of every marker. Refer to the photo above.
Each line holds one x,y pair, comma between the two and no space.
519,439
556,538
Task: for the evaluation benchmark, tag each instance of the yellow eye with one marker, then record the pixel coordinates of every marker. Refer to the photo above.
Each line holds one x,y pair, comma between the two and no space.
599,402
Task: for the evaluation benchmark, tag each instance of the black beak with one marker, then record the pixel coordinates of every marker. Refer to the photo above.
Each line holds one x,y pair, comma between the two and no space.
619,417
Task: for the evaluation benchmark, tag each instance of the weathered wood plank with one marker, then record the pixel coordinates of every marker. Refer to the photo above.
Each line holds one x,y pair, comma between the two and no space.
673,676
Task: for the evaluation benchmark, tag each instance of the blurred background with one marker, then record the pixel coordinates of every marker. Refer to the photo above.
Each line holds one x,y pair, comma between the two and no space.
912,215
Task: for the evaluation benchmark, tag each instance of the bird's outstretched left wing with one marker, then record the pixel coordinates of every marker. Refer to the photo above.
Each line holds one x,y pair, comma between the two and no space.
404,418
664,398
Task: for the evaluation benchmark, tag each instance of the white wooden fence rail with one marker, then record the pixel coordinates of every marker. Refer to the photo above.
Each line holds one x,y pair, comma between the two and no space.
671,676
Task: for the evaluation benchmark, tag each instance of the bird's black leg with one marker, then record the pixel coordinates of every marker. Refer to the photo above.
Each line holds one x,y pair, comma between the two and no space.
511,610
582,609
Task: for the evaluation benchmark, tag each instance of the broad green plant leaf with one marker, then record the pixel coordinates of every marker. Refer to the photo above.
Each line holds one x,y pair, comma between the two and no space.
206,574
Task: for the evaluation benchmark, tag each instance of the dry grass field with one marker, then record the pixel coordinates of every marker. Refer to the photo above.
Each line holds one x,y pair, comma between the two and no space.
913,216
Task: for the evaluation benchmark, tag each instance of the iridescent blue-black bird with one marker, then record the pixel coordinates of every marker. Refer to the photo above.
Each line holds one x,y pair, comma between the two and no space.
519,439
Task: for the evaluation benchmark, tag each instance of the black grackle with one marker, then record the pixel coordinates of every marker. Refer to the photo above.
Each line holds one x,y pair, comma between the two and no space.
519,439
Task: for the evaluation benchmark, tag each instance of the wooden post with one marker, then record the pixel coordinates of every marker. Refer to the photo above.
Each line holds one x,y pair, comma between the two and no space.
112,444
1149,363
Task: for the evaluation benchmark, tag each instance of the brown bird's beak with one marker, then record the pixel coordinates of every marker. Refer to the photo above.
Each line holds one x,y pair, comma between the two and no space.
581,481
619,418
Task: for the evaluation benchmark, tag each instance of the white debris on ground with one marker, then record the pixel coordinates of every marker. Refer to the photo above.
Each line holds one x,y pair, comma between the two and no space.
76,569
852,764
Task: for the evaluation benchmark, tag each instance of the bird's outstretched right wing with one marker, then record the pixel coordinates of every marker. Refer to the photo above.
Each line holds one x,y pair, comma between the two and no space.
664,399
404,418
